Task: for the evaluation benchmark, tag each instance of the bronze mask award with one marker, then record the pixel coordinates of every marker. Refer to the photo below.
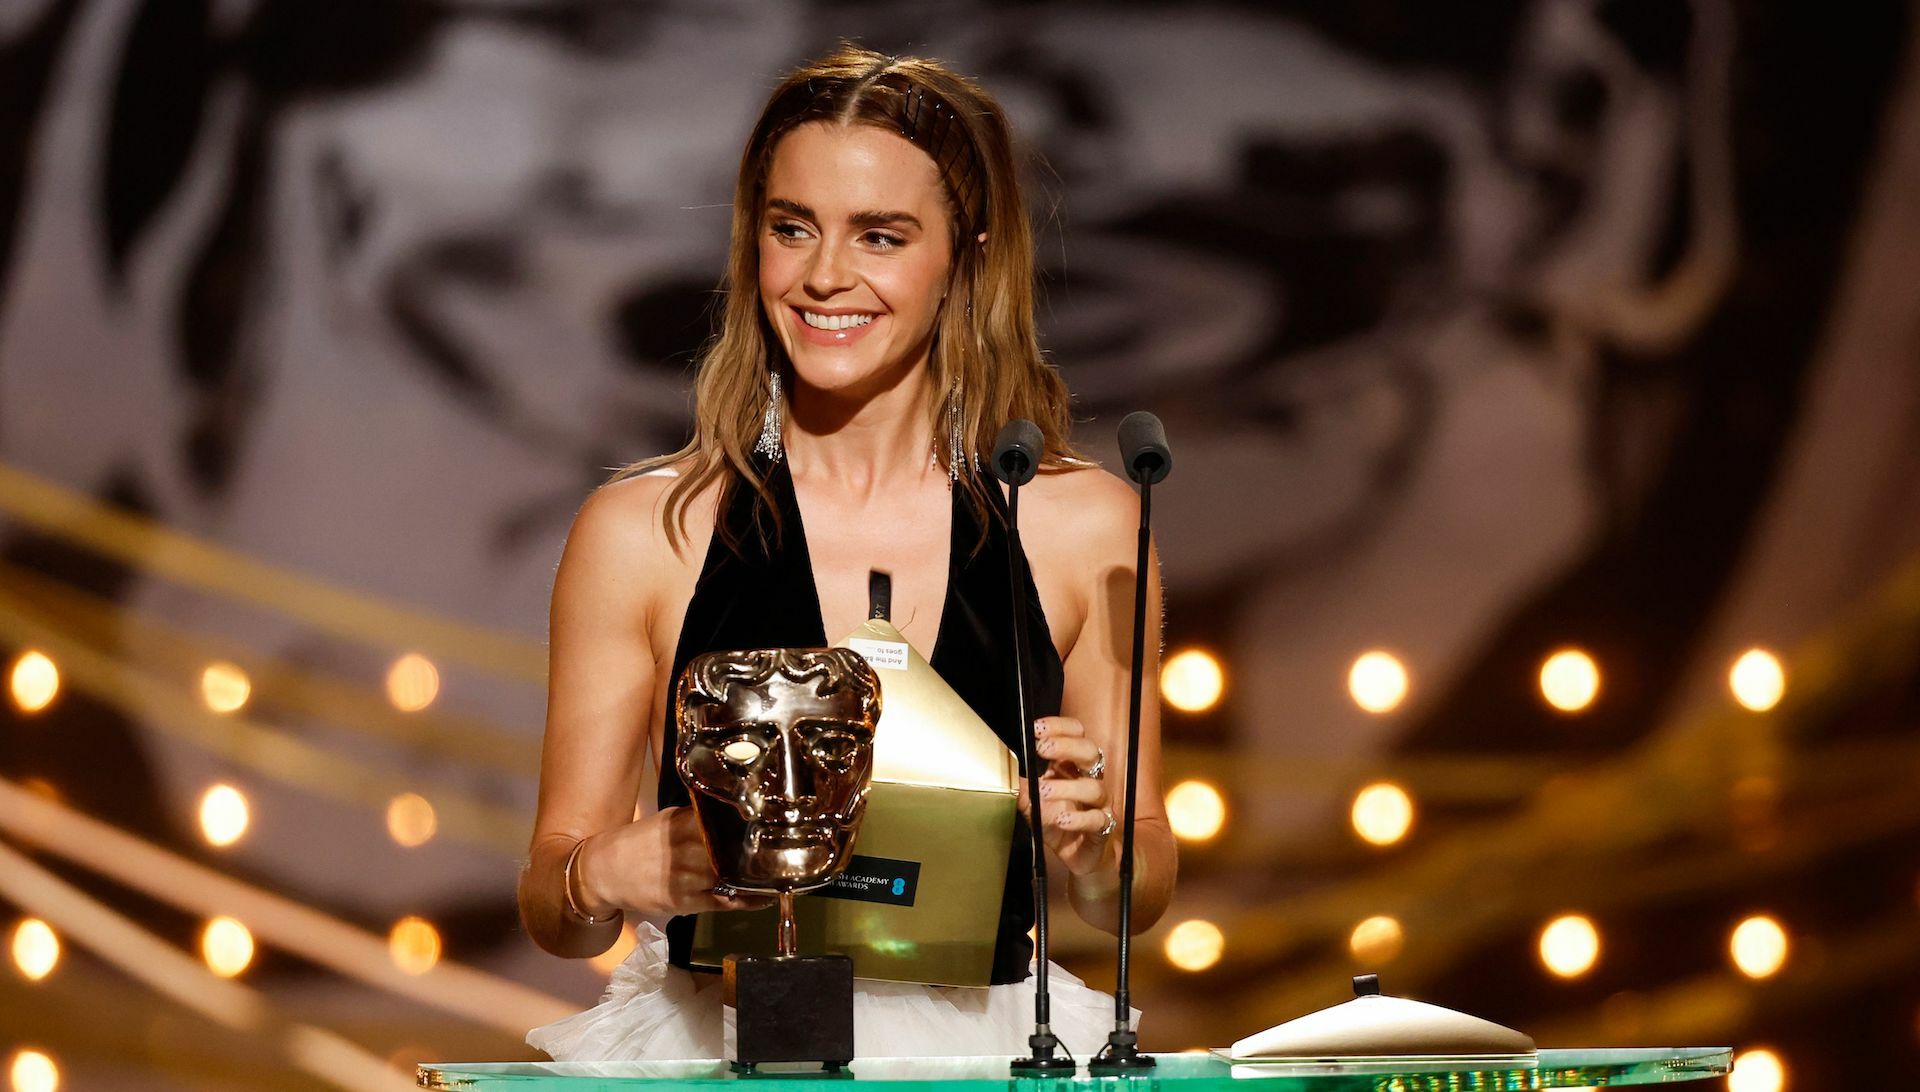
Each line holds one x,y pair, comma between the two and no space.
776,746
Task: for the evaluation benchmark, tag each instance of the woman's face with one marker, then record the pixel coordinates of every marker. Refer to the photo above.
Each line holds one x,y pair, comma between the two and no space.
855,245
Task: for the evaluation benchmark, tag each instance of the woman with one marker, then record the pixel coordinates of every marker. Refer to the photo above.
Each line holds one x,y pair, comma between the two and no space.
878,330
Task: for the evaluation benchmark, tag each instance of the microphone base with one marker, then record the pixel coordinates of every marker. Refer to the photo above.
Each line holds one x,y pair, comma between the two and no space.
1120,1056
1043,1062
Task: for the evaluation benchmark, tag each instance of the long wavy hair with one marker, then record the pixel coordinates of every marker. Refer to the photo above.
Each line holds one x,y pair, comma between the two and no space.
986,362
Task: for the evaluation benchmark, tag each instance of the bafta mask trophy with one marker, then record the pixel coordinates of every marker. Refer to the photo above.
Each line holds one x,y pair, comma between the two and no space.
776,746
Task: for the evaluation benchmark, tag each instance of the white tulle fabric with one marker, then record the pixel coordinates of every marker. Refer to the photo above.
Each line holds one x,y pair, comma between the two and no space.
654,1011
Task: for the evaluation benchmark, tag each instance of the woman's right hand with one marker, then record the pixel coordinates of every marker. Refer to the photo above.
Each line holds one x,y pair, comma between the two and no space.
656,866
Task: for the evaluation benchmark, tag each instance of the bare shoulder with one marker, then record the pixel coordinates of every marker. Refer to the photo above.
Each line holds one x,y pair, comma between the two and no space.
1086,501
620,542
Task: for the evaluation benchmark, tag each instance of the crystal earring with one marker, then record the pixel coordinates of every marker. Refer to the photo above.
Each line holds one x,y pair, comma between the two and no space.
956,442
769,442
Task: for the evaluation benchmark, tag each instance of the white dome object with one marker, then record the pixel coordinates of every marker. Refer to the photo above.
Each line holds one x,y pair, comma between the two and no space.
1372,1025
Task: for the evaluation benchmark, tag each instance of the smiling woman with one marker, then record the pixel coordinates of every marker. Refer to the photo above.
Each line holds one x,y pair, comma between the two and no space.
878,331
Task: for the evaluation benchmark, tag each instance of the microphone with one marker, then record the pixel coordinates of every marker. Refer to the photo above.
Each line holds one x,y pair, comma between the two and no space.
1143,448
1144,451
1016,456
1016,452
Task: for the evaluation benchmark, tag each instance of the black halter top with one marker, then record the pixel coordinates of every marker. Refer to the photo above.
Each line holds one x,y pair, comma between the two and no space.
763,596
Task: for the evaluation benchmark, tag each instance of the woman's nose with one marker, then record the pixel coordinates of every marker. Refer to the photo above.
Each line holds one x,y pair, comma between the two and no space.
829,271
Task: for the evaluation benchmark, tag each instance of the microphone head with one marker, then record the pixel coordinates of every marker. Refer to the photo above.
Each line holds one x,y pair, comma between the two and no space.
1017,451
1143,448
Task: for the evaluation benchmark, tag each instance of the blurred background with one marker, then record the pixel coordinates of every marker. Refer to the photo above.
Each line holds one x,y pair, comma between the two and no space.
1543,561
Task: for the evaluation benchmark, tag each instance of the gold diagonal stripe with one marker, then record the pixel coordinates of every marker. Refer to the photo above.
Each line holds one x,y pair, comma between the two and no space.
264,750
158,550
174,653
323,1054
486,999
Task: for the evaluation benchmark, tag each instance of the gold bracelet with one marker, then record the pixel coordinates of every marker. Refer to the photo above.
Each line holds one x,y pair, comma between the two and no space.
566,883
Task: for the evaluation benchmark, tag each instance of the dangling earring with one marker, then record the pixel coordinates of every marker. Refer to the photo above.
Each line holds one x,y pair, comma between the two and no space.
769,442
956,440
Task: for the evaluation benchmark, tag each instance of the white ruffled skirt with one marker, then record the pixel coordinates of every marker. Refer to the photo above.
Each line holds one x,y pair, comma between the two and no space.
655,1011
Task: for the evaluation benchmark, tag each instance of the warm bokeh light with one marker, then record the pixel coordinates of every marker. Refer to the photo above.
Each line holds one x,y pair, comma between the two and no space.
1382,813
1757,1071
1195,945
227,946
224,687
412,683
1759,946
410,819
36,949
1377,681
223,815
34,682
1569,945
1192,681
414,944
623,946
1569,680
1376,940
1196,811
33,1071
1757,680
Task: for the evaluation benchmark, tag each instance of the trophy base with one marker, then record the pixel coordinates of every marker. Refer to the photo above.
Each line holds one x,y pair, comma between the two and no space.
788,1009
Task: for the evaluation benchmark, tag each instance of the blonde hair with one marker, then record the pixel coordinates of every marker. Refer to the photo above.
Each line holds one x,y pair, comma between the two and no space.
986,355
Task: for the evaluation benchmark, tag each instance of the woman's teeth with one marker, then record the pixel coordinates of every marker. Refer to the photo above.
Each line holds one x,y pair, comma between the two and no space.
834,322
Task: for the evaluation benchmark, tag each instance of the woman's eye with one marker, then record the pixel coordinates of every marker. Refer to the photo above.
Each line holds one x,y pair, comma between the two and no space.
787,230
884,240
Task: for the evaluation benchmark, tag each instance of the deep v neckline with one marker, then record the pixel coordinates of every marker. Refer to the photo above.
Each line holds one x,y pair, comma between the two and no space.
782,479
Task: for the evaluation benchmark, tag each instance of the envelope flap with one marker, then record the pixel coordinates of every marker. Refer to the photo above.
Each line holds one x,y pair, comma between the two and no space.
928,735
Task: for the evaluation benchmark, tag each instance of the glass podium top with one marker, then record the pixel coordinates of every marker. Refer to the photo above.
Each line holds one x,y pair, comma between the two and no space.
1173,1073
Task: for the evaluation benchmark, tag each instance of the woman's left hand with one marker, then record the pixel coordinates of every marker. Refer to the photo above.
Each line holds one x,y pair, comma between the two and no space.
1079,820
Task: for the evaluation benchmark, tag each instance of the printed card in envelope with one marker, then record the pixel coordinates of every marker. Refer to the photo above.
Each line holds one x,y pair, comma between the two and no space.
920,900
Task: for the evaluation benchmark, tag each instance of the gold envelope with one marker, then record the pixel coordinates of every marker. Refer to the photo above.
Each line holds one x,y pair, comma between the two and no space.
920,899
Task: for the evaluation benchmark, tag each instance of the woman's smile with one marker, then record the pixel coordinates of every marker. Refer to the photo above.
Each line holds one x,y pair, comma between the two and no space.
832,329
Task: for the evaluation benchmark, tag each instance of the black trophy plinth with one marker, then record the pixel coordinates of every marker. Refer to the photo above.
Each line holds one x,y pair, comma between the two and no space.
789,1009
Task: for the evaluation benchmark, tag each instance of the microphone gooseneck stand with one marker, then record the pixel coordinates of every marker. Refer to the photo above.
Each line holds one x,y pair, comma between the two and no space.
1144,452
1016,455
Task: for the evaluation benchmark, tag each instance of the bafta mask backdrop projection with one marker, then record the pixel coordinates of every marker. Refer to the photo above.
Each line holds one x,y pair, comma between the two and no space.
776,746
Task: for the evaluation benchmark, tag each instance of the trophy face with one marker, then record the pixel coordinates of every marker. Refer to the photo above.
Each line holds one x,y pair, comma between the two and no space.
777,747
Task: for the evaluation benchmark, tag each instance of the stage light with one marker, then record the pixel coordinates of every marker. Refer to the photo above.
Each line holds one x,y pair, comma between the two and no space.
410,819
1759,946
224,687
1195,945
1569,945
1757,1071
1377,681
414,945
1757,680
34,681
33,1071
1382,813
36,949
1196,811
412,683
1376,940
1192,681
623,946
223,815
1569,680
227,946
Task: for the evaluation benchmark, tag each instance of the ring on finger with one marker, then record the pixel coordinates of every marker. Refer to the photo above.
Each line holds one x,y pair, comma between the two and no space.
726,891
1108,829
1099,766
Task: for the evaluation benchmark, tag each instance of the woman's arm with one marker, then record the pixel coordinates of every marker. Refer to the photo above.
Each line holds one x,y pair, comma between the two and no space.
1099,546
600,688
